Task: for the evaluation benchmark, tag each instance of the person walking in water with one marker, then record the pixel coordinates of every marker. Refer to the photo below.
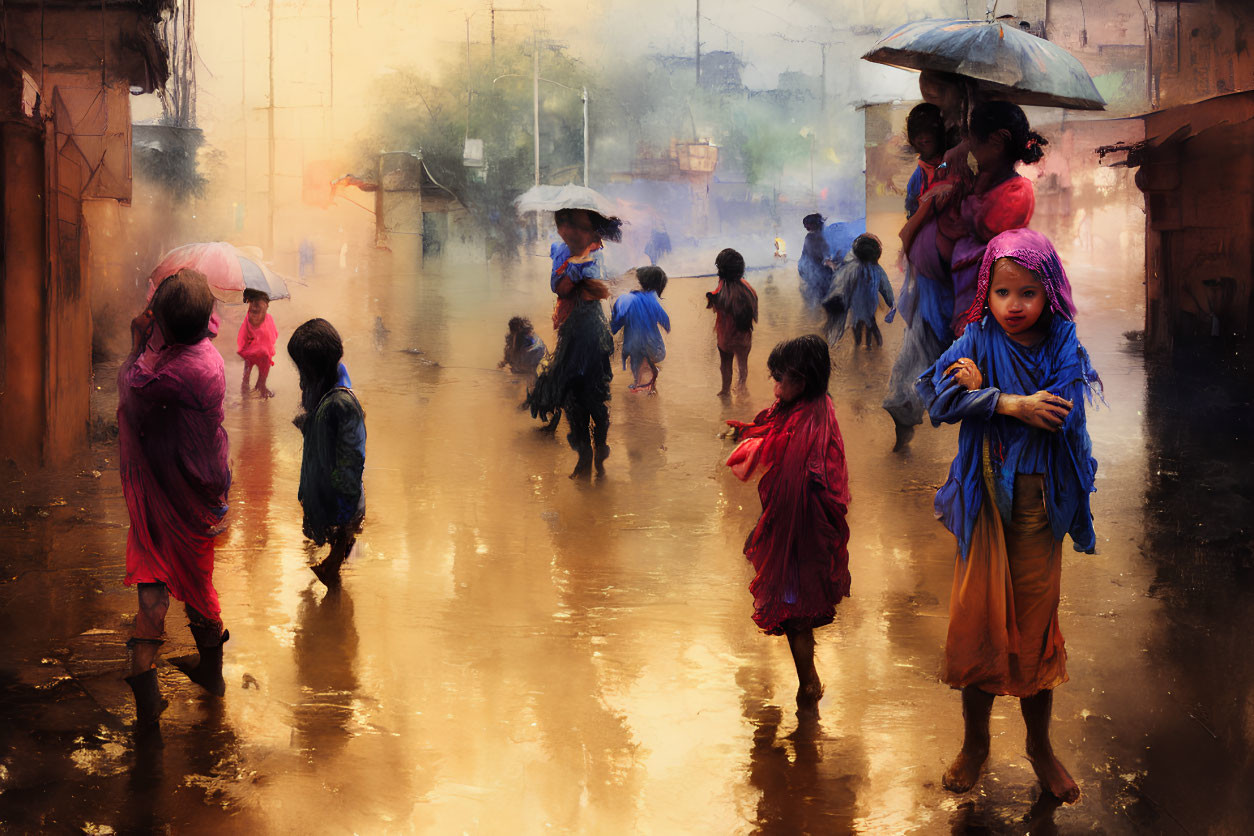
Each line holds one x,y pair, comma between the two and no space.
577,381
856,290
814,265
735,306
799,546
1017,380
173,461
333,456
256,341
640,316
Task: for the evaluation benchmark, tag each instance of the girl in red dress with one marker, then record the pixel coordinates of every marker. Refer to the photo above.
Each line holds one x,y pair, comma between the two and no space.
799,546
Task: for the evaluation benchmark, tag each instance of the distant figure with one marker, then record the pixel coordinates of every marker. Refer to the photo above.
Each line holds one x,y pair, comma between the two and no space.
735,306
856,290
334,455
523,349
307,256
256,340
814,266
781,249
1017,380
639,314
381,333
799,546
659,244
174,465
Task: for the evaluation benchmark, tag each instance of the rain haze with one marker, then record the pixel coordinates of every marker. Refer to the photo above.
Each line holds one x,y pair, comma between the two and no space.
538,598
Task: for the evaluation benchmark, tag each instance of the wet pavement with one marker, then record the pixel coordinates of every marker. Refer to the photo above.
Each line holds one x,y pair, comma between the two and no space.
513,652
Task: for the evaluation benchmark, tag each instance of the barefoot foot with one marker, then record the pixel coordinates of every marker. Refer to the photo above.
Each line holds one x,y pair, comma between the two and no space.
965,770
1053,776
905,432
327,572
808,696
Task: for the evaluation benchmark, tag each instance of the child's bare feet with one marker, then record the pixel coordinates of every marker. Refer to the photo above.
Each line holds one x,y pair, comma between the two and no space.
808,696
904,432
963,773
264,392
1053,776
723,393
598,459
328,572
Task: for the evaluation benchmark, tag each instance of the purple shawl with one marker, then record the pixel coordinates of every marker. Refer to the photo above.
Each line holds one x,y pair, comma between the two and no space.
1032,250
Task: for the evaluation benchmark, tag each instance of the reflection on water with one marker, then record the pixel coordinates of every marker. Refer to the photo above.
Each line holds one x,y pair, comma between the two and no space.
807,780
512,651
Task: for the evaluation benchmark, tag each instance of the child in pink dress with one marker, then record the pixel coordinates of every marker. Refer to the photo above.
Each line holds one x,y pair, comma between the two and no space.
256,341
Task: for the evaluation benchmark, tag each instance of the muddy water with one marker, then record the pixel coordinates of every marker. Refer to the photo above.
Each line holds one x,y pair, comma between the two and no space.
515,652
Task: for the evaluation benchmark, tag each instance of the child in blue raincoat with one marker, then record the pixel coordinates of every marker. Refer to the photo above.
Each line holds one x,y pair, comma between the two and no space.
639,314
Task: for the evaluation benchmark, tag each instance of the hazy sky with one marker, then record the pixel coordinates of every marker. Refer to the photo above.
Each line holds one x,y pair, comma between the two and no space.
370,36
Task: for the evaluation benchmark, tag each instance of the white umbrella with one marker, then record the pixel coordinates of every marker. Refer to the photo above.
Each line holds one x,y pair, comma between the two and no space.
552,198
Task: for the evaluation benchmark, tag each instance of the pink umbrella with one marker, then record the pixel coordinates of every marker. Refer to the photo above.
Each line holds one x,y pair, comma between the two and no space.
230,270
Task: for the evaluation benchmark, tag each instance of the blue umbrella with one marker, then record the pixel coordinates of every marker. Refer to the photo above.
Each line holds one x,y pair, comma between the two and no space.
1007,62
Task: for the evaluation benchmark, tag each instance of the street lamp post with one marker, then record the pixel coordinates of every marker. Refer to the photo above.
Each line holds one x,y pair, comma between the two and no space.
535,104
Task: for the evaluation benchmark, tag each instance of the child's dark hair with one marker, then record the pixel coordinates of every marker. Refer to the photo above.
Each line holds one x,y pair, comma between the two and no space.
182,306
608,229
651,278
730,265
813,222
520,325
1025,145
251,295
807,360
316,348
925,118
866,247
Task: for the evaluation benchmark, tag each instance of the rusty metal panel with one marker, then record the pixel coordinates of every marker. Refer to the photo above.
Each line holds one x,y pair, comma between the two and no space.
98,118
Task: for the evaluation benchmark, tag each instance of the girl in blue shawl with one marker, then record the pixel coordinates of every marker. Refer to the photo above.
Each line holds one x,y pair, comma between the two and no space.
1017,379
639,314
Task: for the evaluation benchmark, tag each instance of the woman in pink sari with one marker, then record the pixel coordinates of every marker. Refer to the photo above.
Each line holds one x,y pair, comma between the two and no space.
175,475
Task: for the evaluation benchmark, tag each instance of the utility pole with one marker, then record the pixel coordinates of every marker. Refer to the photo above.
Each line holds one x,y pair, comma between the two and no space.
331,53
585,136
270,122
535,98
823,79
492,30
698,43
467,77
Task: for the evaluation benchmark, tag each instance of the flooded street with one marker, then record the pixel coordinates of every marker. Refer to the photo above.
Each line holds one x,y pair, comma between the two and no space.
514,652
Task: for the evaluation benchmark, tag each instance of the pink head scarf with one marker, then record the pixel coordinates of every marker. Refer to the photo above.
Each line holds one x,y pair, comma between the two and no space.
1032,250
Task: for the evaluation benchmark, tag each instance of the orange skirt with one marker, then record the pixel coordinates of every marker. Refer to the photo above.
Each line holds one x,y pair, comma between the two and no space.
1003,614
